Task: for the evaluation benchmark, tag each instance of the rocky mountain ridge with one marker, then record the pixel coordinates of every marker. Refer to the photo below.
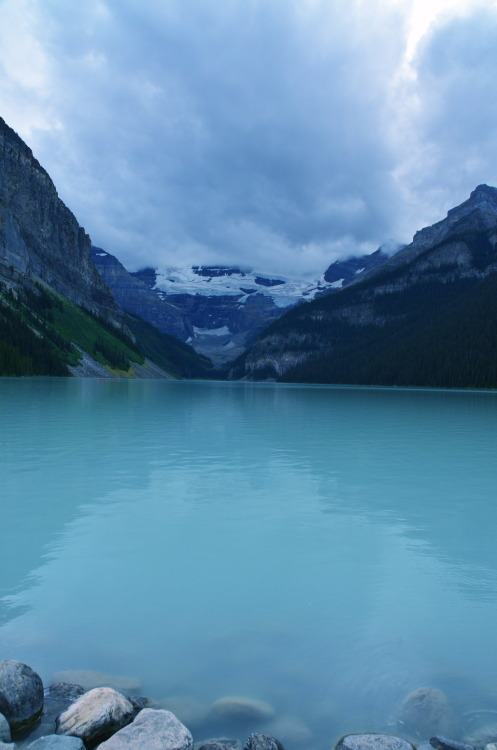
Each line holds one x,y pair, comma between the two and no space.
40,239
402,312
220,309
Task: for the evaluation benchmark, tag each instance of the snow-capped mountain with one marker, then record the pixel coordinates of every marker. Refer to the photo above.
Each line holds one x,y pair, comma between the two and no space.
219,309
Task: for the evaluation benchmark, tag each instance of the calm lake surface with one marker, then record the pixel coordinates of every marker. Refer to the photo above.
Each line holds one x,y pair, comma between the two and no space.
323,549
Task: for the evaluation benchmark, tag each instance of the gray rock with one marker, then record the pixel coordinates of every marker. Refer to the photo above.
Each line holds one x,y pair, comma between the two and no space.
7,746
151,730
443,743
220,742
426,712
214,746
96,715
262,742
240,710
21,694
188,710
89,680
484,735
4,729
289,730
56,742
372,741
64,692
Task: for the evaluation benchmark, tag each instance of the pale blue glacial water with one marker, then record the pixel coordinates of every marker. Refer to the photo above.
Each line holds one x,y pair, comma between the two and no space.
324,549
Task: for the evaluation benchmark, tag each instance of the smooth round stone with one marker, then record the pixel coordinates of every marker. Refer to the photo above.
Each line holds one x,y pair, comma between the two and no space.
426,712
89,680
151,730
57,742
240,710
372,741
4,729
95,715
262,742
485,735
21,693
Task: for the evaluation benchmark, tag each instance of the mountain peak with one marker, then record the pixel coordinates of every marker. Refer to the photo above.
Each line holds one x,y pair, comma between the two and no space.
484,191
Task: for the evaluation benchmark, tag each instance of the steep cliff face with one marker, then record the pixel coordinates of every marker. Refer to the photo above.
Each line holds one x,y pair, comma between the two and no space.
431,305
40,239
135,296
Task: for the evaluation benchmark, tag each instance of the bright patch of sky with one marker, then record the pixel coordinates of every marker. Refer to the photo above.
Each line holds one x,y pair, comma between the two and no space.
276,134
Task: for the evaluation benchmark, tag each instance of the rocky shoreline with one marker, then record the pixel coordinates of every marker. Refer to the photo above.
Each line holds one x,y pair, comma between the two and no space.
84,710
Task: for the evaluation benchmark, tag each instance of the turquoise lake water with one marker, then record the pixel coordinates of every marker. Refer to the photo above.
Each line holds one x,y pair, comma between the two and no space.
323,549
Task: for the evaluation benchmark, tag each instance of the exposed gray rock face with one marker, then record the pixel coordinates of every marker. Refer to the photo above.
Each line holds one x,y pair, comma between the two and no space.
134,295
57,742
4,729
262,742
240,710
151,730
461,248
7,746
372,741
426,712
40,239
21,693
96,715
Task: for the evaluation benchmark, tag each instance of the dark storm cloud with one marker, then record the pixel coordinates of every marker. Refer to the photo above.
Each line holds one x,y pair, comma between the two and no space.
279,134
223,131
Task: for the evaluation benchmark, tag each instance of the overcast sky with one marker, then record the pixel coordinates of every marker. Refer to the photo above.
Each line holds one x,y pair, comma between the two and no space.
276,134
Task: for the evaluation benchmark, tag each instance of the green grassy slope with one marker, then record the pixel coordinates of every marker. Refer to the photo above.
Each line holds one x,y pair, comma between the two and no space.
38,329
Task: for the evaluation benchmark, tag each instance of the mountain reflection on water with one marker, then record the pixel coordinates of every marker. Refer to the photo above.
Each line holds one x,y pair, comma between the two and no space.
324,549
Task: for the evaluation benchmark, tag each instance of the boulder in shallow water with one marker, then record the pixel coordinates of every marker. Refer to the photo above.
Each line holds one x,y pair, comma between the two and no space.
151,730
21,694
485,735
57,742
426,712
219,742
262,742
240,710
372,741
89,680
96,715
188,710
289,730
4,729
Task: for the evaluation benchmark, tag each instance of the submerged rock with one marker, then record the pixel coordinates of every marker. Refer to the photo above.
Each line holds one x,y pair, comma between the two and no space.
154,730
219,742
89,680
485,735
426,712
289,730
240,710
4,729
372,741
262,742
21,694
443,743
96,715
57,742
187,710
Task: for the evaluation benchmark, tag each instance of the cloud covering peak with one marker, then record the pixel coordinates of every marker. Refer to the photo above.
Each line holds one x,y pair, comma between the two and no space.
278,134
